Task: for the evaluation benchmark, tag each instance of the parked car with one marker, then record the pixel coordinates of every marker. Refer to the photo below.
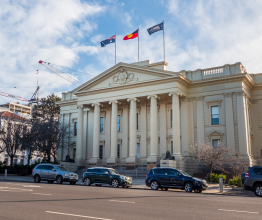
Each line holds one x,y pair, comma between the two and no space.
51,173
103,175
164,178
253,180
243,177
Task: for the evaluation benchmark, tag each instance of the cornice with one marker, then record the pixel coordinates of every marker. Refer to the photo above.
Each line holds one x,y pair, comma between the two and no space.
67,103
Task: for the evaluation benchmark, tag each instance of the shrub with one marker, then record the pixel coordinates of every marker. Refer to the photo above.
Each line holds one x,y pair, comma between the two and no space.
215,177
235,182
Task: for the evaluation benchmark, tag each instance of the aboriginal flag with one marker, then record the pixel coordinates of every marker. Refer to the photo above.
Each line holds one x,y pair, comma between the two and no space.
131,36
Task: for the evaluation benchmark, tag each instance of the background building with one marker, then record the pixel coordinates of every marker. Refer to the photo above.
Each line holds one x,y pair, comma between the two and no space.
132,114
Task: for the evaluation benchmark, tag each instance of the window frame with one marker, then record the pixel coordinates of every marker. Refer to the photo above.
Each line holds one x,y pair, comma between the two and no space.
102,124
101,152
211,108
119,123
215,139
75,128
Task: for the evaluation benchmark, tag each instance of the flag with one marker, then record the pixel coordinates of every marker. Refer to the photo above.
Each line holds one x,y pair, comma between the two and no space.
108,41
156,28
37,72
131,36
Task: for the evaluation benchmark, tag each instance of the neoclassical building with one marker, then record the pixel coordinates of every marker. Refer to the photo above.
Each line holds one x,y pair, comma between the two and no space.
131,114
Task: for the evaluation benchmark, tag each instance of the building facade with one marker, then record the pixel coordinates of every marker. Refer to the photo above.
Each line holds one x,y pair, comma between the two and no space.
132,114
23,110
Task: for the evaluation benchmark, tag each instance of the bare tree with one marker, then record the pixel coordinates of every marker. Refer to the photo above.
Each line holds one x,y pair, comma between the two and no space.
213,157
11,135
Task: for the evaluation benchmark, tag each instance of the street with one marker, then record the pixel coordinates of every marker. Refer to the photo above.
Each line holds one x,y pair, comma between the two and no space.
21,200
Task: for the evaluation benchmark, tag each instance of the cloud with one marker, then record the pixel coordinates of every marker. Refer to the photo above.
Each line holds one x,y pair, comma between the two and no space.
42,30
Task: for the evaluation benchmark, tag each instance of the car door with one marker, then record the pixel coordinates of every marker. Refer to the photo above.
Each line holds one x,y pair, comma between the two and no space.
162,176
95,176
44,172
52,173
104,176
175,179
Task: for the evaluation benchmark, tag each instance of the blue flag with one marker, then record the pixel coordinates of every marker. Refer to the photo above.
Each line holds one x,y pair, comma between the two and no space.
108,41
156,28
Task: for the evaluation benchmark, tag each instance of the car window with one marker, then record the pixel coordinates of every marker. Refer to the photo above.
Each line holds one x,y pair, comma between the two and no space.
95,170
185,173
258,171
161,171
44,167
90,170
103,171
51,167
173,172
39,167
112,171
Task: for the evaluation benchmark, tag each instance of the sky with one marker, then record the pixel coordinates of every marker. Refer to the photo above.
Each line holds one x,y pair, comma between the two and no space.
198,34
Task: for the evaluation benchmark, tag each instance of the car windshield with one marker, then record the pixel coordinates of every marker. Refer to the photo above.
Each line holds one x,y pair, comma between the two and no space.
61,168
184,173
112,171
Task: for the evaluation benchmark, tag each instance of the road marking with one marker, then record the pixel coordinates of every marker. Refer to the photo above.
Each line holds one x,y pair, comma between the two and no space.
42,194
81,216
237,211
4,190
30,186
17,189
120,201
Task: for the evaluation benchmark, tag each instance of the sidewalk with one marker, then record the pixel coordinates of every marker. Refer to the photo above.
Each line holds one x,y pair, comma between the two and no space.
139,183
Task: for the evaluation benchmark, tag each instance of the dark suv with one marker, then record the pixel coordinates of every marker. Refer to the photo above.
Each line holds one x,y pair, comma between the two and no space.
254,180
103,175
165,178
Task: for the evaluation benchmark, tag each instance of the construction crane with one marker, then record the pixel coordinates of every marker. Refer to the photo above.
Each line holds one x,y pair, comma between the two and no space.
32,100
57,70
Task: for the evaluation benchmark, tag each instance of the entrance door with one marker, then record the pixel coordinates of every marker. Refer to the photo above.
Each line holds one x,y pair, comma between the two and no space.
174,178
138,150
104,176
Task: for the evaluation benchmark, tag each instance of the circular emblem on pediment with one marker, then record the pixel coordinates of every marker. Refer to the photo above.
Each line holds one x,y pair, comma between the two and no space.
122,77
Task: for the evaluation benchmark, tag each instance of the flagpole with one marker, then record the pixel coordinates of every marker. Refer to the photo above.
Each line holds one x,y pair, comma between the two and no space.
164,40
138,44
115,49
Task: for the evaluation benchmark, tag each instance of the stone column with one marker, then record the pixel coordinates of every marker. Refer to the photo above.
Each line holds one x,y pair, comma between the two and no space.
132,159
255,131
163,129
94,161
153,158
143,130
178,163
79,140
230,128
113,160
242,124
200,121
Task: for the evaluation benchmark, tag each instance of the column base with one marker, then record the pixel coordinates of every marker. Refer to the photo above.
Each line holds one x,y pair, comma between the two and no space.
132,162
152,161
94,162
112,162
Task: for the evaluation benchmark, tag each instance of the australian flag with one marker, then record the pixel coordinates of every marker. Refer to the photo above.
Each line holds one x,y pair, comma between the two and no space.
156,28
108,41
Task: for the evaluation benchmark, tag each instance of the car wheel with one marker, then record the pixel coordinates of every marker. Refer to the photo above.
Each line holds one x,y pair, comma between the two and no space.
37,178
87,182
258,190
115,183
189,187
198,190
59,180
154,185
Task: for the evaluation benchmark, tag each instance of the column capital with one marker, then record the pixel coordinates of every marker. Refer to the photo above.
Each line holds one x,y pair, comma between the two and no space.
254,101
228,95
175,93
117,102
135,99
153,96
242,93
98,104
80,106
201,98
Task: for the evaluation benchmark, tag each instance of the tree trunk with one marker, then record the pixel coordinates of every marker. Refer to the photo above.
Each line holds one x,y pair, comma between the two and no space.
211,168
12,160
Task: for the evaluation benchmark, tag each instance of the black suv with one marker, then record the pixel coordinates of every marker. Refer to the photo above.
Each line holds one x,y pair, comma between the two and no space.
254,180
164,178
103,175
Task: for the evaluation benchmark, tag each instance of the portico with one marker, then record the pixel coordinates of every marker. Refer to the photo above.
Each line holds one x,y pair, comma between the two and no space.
131,114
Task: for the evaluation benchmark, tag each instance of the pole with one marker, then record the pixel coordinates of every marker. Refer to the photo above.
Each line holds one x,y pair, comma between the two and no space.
220,185
164,40
5,174
138,44
115,49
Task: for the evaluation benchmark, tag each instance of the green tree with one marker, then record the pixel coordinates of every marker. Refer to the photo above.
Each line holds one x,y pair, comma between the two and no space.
47,107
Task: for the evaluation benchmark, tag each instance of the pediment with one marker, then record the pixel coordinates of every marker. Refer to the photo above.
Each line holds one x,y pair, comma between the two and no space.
122,75
216,134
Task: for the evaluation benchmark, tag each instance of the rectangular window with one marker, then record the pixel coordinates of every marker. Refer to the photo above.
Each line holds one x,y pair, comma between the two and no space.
118,151
15,161
75,128
215,115
101,152
22,161
118,123
101,125
215,143
171,118
136,121
138,151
